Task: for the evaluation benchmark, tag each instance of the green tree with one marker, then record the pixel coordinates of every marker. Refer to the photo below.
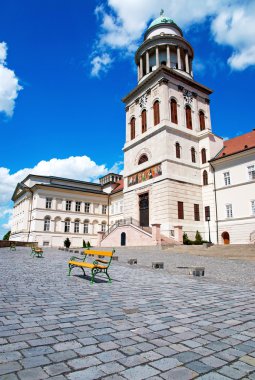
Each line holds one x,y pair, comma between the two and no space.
198,238
67,243
186,239
88,245
7,235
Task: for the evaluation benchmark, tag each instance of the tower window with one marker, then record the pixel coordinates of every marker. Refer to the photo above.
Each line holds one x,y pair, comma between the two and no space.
193,155
144,121
205,178
156,112
174,118
178,150
132,128
203,156
202,120
142,159
188,117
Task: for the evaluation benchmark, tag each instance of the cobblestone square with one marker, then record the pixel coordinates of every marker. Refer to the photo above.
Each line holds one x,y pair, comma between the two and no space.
146,324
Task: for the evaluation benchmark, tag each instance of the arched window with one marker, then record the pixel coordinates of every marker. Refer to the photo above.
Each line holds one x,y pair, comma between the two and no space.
67,225
156,112
76,226
174,118
46,223
142,159
203,156
178,150
202,120
144,121
205,178
188,117
86,227
132,128
193,155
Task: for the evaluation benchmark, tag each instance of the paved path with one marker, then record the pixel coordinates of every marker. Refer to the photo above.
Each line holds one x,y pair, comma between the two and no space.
145,325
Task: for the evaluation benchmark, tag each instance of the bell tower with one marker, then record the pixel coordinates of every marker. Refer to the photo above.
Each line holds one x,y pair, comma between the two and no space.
167,176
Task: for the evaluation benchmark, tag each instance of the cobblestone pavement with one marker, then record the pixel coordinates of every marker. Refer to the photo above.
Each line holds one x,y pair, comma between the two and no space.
147,324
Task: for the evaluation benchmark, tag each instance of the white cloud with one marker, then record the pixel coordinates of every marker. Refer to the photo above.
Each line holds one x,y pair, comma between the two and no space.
235,27
122,23
79,167
9,84
100,64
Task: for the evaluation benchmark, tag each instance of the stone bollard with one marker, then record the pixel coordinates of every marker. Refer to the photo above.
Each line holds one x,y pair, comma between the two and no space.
132,261
158,265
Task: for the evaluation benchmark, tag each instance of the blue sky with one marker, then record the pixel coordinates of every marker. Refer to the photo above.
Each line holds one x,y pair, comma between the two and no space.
65,65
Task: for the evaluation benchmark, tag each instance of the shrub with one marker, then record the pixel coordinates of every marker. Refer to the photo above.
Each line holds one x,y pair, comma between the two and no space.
88,245
198,239
84,244
186,240
67,243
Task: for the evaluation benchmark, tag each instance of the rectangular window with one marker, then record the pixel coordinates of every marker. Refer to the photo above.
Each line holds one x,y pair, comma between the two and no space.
87,207
226,178
180,210
207,212
68,205
104,208
48,202
229,212
251,172
46,243
86,228
253,207
103,227
67,226
78,206
76,226
46,224
196,212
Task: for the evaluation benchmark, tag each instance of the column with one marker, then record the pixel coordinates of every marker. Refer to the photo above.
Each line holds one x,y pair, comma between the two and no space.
141,67
147,62
156,237
138,73
157,57
168,56
187,62
179,58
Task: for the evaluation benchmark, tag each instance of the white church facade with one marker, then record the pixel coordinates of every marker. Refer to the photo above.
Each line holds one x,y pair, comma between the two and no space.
178,176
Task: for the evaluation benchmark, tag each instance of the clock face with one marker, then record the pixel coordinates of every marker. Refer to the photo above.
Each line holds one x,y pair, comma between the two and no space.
188,96
143,100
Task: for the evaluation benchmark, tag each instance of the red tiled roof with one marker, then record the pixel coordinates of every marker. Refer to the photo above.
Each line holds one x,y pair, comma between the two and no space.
119,186
237,144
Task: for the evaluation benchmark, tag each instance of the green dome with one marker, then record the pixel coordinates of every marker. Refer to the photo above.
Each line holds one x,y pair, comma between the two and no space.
161,20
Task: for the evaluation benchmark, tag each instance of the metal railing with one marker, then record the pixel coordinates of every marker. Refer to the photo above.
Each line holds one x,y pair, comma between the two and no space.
127,222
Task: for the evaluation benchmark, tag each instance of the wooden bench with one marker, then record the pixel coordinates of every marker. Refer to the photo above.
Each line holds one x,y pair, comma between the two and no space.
97,266
36,251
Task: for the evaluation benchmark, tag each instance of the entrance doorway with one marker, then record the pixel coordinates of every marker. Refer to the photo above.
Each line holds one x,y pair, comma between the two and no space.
144,209
225,237
123,238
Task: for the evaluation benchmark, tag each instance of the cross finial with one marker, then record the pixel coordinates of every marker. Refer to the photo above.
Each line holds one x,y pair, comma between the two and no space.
161,12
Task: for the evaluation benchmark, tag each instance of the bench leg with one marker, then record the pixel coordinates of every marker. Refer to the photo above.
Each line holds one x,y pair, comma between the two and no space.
109,278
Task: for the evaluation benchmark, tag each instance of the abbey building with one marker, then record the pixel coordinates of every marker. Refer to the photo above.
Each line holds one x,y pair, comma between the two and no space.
179,177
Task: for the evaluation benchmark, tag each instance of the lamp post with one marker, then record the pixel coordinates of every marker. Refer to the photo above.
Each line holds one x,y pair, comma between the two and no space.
208,220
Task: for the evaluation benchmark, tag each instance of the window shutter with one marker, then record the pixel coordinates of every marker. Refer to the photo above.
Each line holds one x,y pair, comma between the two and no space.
203,156
132,128
156,112
178,150
188,117
180,210
205,178
193,155
144,121
202,120
174,111
196,212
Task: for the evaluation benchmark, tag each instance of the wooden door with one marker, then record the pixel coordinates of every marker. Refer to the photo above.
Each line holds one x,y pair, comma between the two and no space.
225,237
144,209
